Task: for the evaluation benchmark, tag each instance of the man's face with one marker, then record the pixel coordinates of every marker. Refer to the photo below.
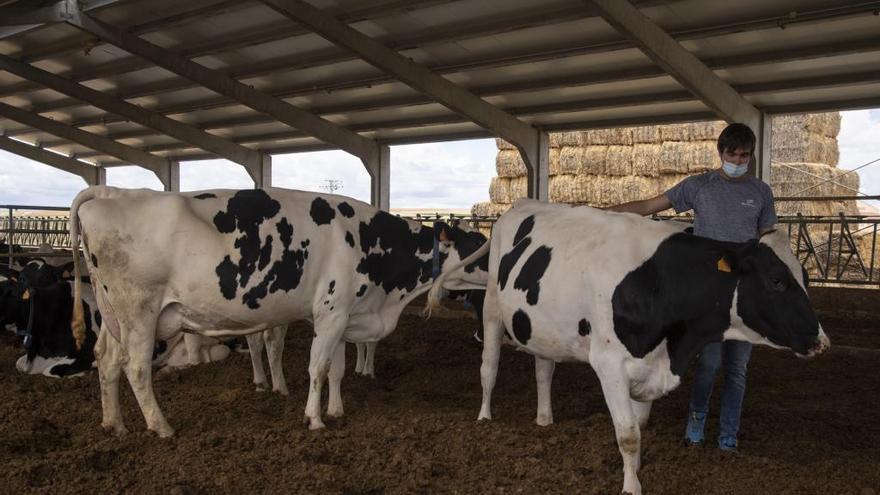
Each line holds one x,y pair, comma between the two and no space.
739,156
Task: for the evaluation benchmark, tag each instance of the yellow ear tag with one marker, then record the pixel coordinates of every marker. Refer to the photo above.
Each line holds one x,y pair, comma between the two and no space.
723,265
26,295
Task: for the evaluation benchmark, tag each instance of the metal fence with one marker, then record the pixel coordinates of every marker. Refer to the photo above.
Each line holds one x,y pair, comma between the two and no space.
842,250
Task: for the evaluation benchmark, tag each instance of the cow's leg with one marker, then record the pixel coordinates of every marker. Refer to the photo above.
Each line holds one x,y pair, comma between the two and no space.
328,333
642,410
108,356
626,426
370,360
193,345
337,371
275,350
361,355
255,346
544,377
493,332
139,370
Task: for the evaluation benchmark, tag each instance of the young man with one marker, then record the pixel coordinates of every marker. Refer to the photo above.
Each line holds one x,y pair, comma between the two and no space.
729,205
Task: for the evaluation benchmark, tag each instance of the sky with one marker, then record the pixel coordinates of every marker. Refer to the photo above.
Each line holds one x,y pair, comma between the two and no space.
441,176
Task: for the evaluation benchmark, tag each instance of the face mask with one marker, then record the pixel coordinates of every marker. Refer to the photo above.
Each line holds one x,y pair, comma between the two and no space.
733,170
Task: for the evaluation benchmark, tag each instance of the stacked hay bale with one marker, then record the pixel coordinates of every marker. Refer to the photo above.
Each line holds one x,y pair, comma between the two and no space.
604,167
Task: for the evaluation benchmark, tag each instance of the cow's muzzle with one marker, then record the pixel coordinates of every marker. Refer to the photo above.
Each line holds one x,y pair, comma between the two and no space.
822,344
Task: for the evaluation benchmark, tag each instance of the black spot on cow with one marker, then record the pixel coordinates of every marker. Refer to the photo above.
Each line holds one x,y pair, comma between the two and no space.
362,290
305,243
205,196
285,273
227,273
159,348
346,209
326,302
105,288
321,212
465,243
584,327
245,212
529,278
509,260
332,287
94,261
522,327
396,264
524,229
349,239
331,308
98,318
265,253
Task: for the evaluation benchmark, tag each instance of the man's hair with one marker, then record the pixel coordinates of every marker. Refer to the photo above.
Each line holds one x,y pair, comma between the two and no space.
736,136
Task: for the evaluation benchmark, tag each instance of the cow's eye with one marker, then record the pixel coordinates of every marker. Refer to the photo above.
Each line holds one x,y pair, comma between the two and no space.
777,284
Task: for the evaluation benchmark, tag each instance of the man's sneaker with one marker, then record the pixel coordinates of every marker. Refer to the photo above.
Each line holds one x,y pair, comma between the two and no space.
727,444
693,434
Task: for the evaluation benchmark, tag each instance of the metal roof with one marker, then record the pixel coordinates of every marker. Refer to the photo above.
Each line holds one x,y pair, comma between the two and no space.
556,65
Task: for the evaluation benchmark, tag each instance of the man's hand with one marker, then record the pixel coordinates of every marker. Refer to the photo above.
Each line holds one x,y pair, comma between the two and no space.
644,207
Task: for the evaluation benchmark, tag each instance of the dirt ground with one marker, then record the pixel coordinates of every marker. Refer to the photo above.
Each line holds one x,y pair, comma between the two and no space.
808,427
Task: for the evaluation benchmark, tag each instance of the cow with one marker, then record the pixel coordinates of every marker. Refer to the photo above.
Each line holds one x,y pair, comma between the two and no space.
636,299
49,345
238,262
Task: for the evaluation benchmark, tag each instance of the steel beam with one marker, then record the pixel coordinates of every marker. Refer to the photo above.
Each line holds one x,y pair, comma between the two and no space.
250,159
216,81
379,168
156,164
17,15
89,173
416,76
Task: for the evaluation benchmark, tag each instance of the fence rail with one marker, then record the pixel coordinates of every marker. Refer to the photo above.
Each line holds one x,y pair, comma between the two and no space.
842,250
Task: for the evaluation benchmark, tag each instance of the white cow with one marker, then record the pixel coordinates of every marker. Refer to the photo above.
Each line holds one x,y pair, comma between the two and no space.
222,263
636,299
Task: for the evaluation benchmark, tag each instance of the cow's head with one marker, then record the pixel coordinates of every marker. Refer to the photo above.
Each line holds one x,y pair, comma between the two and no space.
457,242
772,306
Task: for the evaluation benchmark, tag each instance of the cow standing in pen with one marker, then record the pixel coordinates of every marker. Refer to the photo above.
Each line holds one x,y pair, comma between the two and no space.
635,298
237,262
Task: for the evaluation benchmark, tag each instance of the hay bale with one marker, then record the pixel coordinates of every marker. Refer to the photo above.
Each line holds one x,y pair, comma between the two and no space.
617,135
647,134
646,159
822,124
519,188
499,190
667,181
555,161
503,145
488,209
619,160
568,188
570,158
702,156
509,163
672,157
634,188
692,131
560,139
804,147
788,179
594,160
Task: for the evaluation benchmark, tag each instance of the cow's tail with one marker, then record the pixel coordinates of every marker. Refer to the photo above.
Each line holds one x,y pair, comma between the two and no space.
78,323
434,294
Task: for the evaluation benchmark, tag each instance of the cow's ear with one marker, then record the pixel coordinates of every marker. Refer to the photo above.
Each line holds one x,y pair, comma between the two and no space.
441,231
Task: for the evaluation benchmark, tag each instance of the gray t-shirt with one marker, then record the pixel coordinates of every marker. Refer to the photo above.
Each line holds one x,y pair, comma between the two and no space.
725,210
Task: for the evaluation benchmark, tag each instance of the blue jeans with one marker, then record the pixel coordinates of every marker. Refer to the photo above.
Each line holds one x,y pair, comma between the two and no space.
734,356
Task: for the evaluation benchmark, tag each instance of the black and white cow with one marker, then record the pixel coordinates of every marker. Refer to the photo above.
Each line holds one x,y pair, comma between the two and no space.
238,262
635,298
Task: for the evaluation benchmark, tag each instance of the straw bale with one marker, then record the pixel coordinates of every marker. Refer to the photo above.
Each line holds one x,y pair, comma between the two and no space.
568,188
519,188
570,158
594,160
672,157
617,135
634,188
646,159
804,147
488,209
619,160
560,139
499,190
823,124
509,163
503,145
555,160
793,178
702,156
647,134
692,131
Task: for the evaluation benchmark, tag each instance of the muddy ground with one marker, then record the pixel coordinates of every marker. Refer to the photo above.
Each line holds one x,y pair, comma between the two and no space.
808,427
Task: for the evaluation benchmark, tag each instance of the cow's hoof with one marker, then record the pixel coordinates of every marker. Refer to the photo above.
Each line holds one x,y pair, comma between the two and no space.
543,421
483,417
335,414
316,424
260,387
281,391
114,429
164,432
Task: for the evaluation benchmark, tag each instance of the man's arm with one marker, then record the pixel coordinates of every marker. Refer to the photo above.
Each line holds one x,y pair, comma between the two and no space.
644,207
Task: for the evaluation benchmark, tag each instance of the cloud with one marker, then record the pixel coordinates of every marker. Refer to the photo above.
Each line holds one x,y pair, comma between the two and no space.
859,142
